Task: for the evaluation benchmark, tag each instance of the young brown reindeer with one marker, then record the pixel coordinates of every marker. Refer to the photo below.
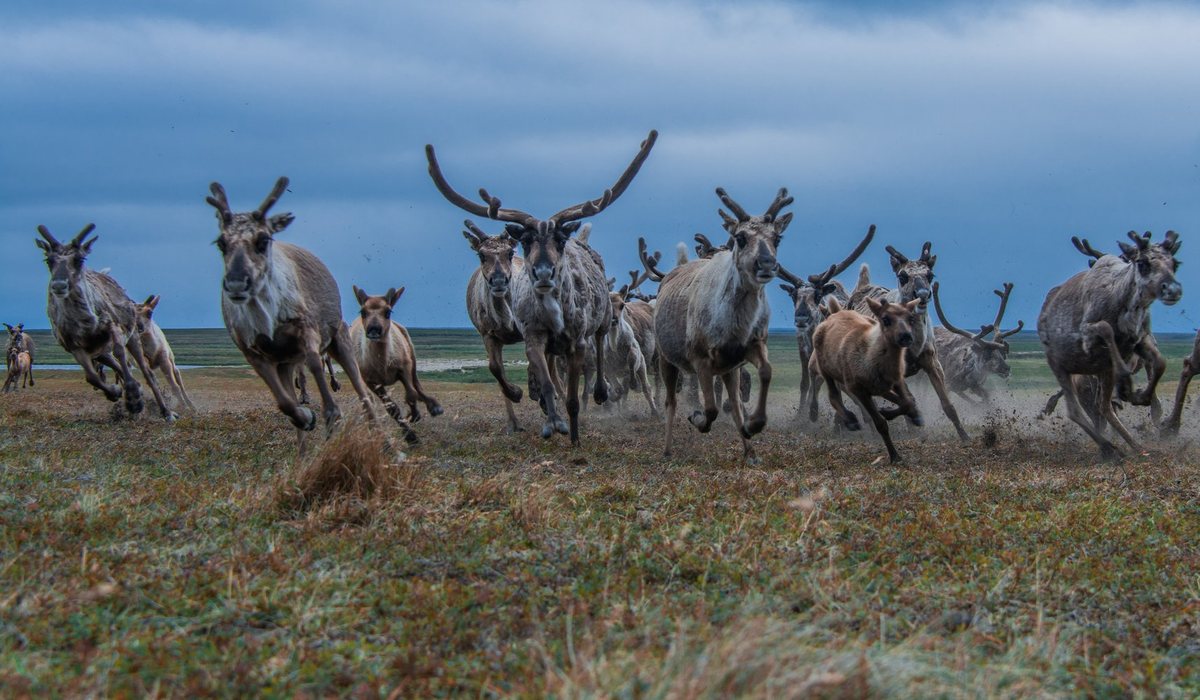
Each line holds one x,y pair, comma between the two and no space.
386,355
567,302
712,314
23,342
969,358
914,278
806,297
92,319
157,351
1095,322
19,364
282,309
866,358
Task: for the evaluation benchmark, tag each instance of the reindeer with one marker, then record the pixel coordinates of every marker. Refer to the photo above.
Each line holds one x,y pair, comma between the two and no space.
282,309
92,319
866,358
567,302
18,363
712,316
914,278
386,355
18,338
1191,367
1097,320
968,358
806,297
156,350
631,340
706,249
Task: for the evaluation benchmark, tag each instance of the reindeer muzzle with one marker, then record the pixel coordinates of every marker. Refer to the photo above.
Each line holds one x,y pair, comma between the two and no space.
498,286
60,288
904,340
543,279
237,290
374,332
1170,292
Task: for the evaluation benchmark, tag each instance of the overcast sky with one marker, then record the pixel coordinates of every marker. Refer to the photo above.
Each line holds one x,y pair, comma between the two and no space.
997,131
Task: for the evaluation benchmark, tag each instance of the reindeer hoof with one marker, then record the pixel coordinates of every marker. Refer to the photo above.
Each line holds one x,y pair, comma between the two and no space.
1110,453
756,424
411,437
697,419
561,427
513,394
310,422
414,416
435,409
897,459
514,429
170,416
334,384
547,430
918,420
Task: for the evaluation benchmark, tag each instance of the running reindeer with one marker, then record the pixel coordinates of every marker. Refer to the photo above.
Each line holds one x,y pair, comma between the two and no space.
969,358
806,297
386,356
567,301
1191,367
1098,320
712,314
914,278
157,350
23,342
282,309
631,341
92,319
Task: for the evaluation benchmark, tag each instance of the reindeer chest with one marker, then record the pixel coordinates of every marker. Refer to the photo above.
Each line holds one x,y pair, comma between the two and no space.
286,344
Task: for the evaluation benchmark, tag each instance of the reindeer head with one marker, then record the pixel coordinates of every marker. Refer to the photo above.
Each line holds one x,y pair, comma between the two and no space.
754,239
807,294
16,335
246,241
1155,265
914,277
144,311
542,242
495,257
992,353
896,320
65,261
376,312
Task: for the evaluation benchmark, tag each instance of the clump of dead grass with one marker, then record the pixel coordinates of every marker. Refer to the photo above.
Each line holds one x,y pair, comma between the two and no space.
353,473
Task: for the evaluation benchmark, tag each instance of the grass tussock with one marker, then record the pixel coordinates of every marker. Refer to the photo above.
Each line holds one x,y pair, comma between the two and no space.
355,471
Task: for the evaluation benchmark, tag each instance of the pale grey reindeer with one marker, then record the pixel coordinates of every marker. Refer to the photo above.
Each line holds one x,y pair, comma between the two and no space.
567,302
92,318
914,278
970,358
631,342
282,309
712,314
23,342
157,350
1098,320
386,356
706,249
807,296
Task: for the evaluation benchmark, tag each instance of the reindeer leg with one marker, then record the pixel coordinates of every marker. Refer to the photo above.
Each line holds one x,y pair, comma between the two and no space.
431,404
1102,331
134,346
1190,368
393,410
574,369
1106,409
1076,413
178,387
847,419
670,377
817,381
343,352
333,382
732,380
929,362
112,392
535,350
881,426
756,355
704,378
600,392
329,407
302,384
644,380
806,382
1156,366
303,419
133,390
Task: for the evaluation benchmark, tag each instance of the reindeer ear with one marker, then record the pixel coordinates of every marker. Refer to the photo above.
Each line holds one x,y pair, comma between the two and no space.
791,291
42,244
932,261
86,248
360,295
280,221
782,223
149,301
876,306
912,305
394,296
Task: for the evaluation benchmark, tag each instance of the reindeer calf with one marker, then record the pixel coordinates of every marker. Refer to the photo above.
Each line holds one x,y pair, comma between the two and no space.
865,358
156,350
386,356
19,339
19,364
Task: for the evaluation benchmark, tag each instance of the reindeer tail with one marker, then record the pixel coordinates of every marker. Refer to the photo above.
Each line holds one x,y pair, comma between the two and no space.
864,279
585,232
681,257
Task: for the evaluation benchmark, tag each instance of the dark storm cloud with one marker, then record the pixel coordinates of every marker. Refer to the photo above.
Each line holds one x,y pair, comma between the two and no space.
995,130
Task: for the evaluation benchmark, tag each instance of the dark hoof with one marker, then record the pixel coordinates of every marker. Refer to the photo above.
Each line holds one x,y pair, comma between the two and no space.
335,384
1110,453
897,459
547,430
512,429
304,399
135,406
917,420
1169,429
697,419
435,410
562,427
600,395
411,437
311,423
745,433
170,416
853,427
756,425
414,416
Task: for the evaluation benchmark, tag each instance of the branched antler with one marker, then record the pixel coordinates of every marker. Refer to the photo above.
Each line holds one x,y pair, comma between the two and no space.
276,192
822,279
976,337
1001,335
733,207
490,210
649,261
781,200
220,202
595,206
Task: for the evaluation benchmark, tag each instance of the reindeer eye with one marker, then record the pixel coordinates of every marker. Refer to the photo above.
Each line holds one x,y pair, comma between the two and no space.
740,239
887,322
387,313
363,313
902,278
220,244
261,243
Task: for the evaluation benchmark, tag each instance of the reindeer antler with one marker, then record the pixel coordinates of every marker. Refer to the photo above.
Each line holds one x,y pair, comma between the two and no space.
1083,246
1001,335
1171,242
220,201
976,337
649,261
491,209
704,247
473,231
822,279
78,239
925,251
733,207
276,192
45,233
595,206
781,200
636,279
900,257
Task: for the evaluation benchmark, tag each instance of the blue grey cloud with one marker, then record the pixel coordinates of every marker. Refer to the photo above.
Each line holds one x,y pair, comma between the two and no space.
995,130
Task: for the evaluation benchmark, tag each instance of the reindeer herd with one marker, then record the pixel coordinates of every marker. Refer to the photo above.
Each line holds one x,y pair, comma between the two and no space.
708,320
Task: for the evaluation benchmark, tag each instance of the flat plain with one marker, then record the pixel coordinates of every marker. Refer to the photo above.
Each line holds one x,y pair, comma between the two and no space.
144,559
